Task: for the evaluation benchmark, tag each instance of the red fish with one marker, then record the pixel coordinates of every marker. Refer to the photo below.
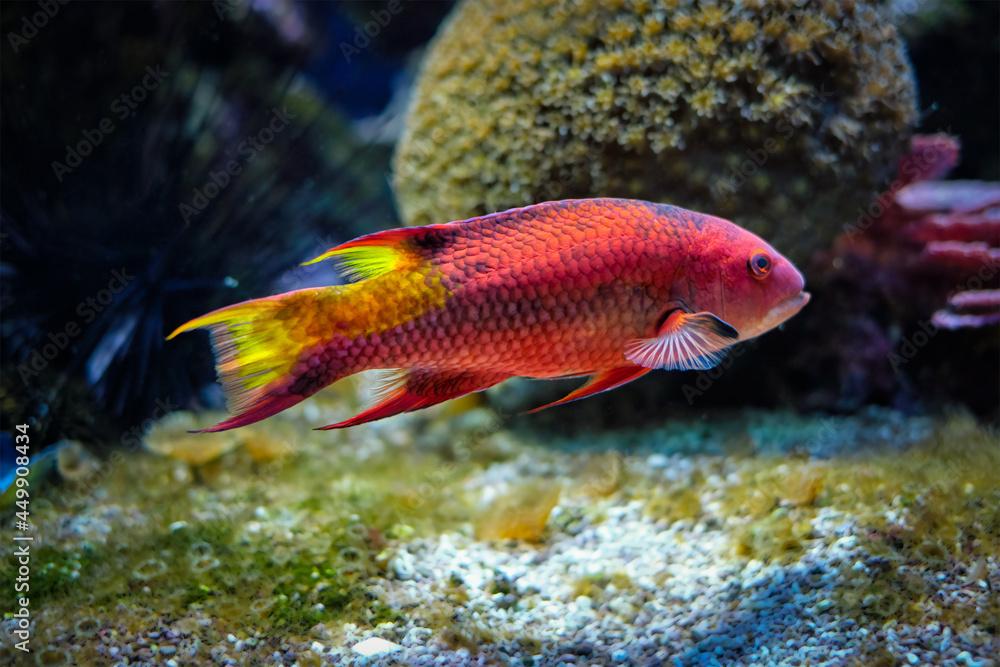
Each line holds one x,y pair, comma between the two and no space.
605,288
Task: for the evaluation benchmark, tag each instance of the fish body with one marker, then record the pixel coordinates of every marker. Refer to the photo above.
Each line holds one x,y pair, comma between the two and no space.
607,288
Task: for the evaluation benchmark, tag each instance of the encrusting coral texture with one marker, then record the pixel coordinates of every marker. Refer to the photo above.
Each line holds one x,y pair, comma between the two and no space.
783,117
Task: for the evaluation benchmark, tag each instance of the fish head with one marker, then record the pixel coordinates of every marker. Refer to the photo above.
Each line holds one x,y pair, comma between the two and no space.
755,288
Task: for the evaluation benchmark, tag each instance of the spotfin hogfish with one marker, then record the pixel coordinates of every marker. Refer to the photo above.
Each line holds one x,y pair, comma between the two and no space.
605,288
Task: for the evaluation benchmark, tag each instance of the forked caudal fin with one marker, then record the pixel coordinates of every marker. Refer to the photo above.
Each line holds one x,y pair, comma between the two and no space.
257,345
261,345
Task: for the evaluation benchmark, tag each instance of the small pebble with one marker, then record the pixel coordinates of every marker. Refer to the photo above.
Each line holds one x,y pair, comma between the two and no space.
375,646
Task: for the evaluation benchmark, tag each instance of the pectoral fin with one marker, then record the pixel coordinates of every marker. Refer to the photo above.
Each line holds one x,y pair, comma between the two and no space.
603,381
419,388
685,341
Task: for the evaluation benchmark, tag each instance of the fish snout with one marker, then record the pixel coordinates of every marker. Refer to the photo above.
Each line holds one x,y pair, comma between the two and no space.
793,288
786,296
790,278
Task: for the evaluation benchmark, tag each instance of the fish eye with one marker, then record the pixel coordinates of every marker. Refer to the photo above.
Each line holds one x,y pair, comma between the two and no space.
759,264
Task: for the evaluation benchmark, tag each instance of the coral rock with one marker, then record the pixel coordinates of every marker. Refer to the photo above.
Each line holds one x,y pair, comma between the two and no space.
785,117
941,235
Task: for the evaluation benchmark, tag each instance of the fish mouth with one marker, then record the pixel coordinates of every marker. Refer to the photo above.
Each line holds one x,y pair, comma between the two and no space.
787,309
781,313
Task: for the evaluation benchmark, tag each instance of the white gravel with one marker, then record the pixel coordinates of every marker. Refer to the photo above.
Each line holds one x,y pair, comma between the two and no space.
688,601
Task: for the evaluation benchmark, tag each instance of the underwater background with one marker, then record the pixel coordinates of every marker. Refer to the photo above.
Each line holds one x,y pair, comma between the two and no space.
829,494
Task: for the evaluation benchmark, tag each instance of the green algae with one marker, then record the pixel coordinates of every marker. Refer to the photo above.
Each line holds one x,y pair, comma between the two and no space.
941,475
602,586
57,572
288,546
933,506
946,485
285,545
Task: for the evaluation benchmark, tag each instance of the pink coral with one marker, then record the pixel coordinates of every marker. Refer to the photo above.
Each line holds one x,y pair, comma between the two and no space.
943,236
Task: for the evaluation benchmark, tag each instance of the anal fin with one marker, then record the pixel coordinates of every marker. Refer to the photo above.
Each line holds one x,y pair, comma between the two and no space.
602,381
417,389
270,405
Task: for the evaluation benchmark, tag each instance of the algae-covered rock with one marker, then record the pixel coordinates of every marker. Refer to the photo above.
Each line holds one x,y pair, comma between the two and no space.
75,463
782,116
520,514
173,437
628,548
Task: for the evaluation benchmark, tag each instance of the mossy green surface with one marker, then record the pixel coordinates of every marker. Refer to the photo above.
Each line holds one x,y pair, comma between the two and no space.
784,117
280,554
931,507
599,586
236,548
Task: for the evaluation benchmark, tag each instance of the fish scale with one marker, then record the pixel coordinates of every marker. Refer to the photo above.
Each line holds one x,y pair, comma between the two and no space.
609,288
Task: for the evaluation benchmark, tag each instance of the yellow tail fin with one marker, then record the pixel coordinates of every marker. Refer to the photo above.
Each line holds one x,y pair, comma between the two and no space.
257,344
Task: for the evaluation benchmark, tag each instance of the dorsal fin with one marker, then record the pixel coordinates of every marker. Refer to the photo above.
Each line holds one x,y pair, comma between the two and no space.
379,253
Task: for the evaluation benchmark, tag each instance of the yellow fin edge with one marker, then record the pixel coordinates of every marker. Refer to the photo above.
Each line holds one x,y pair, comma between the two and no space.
363,262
